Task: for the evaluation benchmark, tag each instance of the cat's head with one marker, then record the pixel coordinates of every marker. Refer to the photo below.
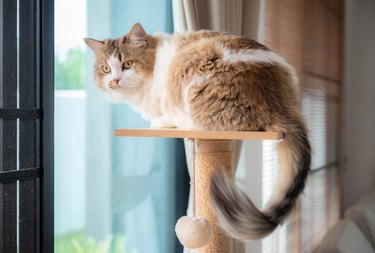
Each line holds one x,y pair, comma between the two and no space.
125,65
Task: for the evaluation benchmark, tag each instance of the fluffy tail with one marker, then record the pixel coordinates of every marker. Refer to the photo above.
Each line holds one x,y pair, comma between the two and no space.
236,213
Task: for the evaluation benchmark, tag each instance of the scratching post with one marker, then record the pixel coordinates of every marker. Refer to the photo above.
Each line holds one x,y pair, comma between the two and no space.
211,151
211,155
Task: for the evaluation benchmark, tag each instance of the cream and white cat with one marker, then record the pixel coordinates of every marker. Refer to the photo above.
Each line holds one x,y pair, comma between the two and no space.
214,81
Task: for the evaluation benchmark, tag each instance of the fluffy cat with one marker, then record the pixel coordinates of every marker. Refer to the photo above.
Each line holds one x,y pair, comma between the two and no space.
214,81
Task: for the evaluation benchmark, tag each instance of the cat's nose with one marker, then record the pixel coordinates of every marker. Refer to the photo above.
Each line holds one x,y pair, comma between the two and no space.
116,80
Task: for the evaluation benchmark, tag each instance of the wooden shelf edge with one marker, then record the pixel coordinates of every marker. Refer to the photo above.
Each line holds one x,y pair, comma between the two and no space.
195,134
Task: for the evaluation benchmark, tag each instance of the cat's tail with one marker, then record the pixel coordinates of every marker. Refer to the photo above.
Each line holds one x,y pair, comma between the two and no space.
236,213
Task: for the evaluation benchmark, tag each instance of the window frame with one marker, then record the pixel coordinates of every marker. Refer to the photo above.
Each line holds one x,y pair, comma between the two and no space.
27,88
46,47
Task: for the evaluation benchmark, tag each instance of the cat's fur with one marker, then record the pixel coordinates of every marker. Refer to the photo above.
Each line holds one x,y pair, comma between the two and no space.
214,81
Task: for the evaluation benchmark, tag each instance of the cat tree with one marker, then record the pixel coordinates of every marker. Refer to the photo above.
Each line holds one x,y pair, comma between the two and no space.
212,149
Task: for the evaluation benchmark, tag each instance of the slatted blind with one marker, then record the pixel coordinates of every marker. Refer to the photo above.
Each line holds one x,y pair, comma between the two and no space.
309,35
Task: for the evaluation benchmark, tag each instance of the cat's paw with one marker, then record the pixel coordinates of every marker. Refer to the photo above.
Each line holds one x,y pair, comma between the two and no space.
162,122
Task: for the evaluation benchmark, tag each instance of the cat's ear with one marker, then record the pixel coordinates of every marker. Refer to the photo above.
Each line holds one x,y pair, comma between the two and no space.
137,35
95,45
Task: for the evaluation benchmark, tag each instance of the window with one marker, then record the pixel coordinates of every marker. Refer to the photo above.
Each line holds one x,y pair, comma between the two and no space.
114,194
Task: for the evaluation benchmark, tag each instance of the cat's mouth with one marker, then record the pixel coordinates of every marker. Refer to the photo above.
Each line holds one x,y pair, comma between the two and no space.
113,85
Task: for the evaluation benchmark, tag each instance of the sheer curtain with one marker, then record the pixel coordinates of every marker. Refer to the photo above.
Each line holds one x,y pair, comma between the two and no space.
185,15
218,15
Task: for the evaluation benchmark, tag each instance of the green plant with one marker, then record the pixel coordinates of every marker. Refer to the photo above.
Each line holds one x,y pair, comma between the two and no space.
70,72
76,242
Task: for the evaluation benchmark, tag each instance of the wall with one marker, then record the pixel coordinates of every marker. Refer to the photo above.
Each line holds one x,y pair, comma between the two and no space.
359,89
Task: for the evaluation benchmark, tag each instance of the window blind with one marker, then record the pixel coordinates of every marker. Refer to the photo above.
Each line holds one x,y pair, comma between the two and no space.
308,34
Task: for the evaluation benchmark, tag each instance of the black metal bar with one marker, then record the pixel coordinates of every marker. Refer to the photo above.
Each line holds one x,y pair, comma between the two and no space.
22,113
47,139
14,175
27,53
8,134
28,129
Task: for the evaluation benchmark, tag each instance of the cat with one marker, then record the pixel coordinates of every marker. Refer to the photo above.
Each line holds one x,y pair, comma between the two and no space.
208,80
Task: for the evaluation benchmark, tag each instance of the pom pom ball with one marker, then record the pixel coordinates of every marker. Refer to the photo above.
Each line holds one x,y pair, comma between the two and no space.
193,232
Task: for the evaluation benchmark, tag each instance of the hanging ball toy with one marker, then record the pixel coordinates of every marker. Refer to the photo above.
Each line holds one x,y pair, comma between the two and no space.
193,232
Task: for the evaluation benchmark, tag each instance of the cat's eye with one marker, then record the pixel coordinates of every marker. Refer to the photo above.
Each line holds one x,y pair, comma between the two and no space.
106,69
128,64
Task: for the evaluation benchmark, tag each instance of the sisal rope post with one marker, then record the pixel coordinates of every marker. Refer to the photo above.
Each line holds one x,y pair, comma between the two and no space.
211,155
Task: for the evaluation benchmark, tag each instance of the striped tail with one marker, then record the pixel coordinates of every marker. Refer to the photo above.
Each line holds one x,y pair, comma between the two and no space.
236,213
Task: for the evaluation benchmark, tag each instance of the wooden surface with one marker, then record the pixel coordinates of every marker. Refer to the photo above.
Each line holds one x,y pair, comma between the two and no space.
180,133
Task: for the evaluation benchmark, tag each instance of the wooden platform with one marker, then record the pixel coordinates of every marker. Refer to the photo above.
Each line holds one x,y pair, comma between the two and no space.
193,134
